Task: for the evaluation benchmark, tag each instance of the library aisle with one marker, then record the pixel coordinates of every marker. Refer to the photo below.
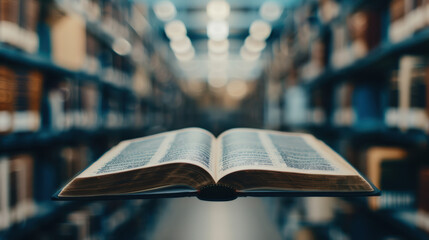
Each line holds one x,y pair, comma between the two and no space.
190,218
78,77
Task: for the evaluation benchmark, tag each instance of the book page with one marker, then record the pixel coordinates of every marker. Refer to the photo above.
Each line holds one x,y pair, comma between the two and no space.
192,145
251,149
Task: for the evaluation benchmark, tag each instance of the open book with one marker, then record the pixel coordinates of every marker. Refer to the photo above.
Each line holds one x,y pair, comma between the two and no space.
240,162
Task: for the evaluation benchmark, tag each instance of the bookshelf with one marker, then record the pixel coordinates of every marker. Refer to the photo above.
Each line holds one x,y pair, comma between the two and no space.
15,142
45,215
84,109
402,221
349,79
48,66
383,53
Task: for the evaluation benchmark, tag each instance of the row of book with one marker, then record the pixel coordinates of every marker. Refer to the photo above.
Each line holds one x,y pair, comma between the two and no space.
110,220
399,101
114,16
28,103
108,79
355,37
18,23
396,171
322,37
27,180
406,18
73,46
21,93
399,172
337,35
39,27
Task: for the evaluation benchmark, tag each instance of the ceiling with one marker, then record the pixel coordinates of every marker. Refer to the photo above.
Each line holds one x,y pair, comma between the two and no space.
218,38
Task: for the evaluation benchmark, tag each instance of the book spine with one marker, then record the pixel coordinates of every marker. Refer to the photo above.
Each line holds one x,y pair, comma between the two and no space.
423,194
427,96
392,110
21,195
28,99
18,19
4,190
7,99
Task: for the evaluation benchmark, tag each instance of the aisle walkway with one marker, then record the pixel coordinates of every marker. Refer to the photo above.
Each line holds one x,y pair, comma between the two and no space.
192,219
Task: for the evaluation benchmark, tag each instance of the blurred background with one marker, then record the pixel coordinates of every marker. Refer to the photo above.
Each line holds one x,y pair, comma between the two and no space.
78,76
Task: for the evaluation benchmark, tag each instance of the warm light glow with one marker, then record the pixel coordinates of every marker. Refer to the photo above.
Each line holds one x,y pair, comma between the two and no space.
218,30
218,10
186,56
254,45
175,30
181,45
164,10
249,56
217,79
121,46
218,56
270,11
260,30
237,89
218,46
195,88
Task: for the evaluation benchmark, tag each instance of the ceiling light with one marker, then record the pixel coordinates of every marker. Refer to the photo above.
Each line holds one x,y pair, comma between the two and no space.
186,56
164,10
270,11
260,30
218,10
217,79
249,56
254,45
218,46
218,30
237,89
181,45
175,30
218,56
121,46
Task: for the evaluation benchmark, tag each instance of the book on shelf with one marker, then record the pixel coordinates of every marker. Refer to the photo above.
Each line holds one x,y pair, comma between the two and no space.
317,107
408,95
240,162
367,106
7,99
4,193
18,21
295,106
92,63
365,32
344,113
21,95
423,194
391,171
406,18
423,199
21,202
68,40
26,116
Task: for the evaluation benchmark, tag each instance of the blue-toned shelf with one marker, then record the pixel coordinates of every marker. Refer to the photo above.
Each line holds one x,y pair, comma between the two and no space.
44,64
376,136
35,61
45,213
402,221
374,58
20,141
